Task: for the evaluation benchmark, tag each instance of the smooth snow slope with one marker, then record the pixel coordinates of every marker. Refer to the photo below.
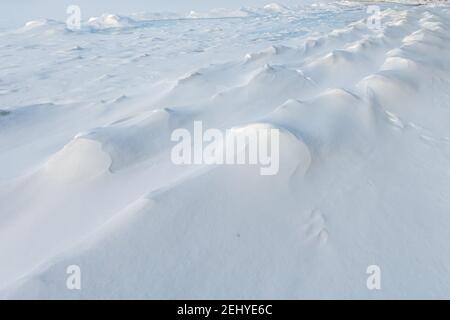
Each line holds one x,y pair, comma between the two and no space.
86,176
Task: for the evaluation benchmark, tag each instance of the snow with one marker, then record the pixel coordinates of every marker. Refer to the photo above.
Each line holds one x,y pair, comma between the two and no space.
106,21
86,177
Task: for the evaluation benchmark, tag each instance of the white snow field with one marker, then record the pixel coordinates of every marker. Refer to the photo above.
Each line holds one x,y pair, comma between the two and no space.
86,177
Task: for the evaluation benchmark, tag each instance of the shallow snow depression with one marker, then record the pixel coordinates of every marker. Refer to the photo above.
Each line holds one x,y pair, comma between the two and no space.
86,177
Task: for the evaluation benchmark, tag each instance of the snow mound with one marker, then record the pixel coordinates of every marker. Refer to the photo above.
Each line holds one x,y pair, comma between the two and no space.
36,24
326,122
270,54
81,159
139,228
134,139
276,8
329,68
110,21
267,88
42,25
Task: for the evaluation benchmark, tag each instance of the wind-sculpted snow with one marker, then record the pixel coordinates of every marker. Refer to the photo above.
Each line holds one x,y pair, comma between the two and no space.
363,115
107,21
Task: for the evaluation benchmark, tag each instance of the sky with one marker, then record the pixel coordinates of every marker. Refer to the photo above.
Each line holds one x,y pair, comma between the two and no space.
14,13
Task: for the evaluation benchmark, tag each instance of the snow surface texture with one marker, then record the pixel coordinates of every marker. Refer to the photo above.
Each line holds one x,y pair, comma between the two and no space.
86,177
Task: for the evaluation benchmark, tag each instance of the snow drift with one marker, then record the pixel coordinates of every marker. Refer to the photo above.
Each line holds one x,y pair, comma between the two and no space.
364,157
